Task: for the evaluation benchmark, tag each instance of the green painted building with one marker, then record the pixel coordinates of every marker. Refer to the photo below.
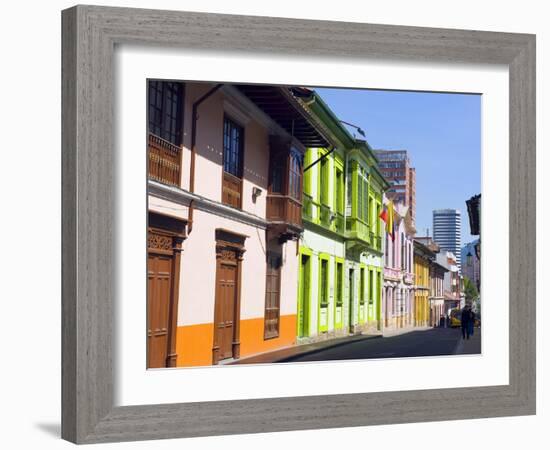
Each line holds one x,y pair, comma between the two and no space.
340,252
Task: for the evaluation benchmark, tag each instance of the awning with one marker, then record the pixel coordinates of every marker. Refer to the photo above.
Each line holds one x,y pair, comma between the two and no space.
279,103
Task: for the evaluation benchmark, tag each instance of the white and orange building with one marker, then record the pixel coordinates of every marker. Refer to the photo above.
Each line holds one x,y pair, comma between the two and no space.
224,207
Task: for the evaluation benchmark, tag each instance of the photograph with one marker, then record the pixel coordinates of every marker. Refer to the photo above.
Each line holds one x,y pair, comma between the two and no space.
293,224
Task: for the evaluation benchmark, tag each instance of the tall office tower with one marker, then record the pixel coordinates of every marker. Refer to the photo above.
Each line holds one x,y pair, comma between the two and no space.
396,169
447,229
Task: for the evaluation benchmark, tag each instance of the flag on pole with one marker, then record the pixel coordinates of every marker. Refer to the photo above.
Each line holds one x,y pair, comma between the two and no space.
390,223
387,216
384,214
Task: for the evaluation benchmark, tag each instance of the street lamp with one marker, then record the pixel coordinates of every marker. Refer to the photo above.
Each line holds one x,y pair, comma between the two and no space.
359,130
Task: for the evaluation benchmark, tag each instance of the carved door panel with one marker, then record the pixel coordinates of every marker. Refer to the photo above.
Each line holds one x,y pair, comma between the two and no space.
159,268
226,302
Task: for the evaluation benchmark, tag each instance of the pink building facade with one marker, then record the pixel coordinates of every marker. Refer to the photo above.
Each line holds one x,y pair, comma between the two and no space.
398,290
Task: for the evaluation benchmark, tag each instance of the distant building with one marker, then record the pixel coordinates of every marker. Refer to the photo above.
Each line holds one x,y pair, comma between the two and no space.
396,169
437,271
471,266
423,256
446,231
452,282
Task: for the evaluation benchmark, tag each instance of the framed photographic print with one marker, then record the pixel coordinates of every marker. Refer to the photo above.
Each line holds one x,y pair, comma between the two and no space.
268,230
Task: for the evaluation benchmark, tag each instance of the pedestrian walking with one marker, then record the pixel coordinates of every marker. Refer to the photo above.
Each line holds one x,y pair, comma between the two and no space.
471,322
465,318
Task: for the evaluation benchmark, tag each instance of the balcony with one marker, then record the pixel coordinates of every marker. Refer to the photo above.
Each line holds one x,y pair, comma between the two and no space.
357,234
307,206
284,214
339,223
326,216
391,273
357,229
408,278
164,161
231,190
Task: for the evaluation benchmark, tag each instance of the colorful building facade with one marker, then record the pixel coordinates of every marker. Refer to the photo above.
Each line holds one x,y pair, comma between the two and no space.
423,257
437,280
399,279
224,216
437,299
340,273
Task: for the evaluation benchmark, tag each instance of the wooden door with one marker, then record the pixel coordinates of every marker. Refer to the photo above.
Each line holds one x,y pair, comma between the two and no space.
272,294
226,301
351,294
303,296
159,269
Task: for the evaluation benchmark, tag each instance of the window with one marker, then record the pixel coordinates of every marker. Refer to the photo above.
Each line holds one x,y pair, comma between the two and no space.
339,192
371,212
307,174
295,175
277,175
233,146
324,282
349,198
362,285
371,286
362,195
377,219
339,287
166,110
272,293
402,251
323,183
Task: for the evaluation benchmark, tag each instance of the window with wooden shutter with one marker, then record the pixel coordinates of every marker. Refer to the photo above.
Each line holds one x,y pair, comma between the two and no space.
272,294
233,151
324,282
339,284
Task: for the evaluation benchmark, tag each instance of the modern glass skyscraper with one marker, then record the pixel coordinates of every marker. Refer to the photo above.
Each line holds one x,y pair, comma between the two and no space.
447,229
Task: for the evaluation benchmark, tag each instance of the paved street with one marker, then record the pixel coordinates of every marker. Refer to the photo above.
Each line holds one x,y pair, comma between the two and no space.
428,342
432,342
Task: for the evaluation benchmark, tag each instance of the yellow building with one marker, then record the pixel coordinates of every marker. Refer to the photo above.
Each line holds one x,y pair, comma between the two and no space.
422,259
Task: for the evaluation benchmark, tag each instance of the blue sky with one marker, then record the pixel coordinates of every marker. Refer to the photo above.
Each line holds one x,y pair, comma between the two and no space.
442,133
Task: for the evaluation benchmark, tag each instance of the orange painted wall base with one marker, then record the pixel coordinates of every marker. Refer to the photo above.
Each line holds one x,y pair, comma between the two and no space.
194,342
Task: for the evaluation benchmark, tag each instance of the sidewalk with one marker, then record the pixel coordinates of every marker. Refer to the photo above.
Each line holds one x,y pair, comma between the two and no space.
281,355
470,346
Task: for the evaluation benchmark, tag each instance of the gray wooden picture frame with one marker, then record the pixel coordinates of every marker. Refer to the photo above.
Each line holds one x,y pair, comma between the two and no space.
90,34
